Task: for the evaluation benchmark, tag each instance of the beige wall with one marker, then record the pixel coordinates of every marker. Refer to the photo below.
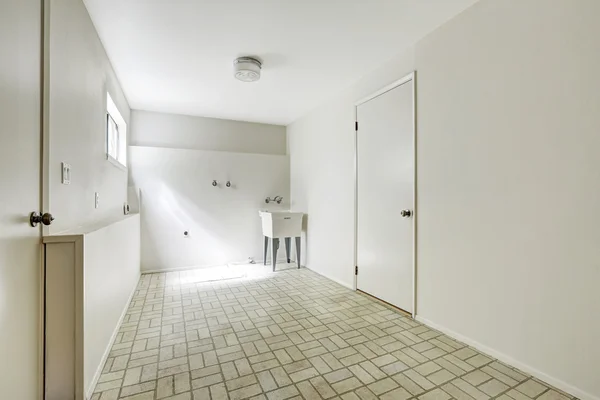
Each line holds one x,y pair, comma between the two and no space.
174,161
80,75
198,133
508,183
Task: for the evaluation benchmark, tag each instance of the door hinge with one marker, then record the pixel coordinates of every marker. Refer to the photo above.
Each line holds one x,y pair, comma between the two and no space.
356,270
356,126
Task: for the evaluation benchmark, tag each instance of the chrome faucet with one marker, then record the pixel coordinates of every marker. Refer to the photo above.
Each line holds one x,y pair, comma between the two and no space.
277,199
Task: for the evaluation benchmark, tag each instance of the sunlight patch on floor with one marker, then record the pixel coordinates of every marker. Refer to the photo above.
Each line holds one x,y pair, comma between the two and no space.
229,271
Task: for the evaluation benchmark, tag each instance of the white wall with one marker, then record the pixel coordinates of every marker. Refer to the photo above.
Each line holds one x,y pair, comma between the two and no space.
174,164
80,75
223,223
112,271
321,147
185,132
508,183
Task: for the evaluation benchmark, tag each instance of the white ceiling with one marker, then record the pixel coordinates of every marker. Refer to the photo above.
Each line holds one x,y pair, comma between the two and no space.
176,56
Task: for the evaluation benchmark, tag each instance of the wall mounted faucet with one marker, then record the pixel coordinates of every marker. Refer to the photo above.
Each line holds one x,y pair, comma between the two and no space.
277,199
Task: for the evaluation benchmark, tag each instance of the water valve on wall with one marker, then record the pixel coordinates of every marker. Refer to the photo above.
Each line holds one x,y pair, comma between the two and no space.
215,183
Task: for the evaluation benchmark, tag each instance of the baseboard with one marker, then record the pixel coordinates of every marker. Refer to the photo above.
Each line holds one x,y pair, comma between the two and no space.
164,270
331,278
557,383
192,267
98,372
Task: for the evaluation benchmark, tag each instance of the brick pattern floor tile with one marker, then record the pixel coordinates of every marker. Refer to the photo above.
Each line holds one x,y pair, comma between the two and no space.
292,334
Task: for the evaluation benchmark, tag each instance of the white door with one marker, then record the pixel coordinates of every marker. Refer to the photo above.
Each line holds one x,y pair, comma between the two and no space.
385,196
20,261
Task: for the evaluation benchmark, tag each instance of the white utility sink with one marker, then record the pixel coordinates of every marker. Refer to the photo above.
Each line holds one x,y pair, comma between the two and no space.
281,225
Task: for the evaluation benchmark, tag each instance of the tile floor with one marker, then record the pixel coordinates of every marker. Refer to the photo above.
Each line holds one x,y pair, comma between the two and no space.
290,335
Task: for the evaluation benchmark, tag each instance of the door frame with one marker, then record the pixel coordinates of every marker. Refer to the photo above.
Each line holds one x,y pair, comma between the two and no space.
44,182
412,77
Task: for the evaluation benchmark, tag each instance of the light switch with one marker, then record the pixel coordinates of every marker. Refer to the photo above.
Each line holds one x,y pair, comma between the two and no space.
66,173
97,199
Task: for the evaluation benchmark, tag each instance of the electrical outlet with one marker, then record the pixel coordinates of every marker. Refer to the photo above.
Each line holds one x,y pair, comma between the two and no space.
66,173
96,200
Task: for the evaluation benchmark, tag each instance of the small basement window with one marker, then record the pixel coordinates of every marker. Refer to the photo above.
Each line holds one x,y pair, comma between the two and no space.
116,134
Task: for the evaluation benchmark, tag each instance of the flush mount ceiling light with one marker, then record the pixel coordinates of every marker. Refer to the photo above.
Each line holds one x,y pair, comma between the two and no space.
247,69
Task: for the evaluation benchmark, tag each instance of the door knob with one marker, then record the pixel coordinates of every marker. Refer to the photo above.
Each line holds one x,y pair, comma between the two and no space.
35,218
406,213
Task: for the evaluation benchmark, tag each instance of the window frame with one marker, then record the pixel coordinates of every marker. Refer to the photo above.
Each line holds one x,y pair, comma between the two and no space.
119,123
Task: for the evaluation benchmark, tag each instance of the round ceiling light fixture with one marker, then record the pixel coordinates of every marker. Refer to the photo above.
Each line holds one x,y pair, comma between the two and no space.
247,69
